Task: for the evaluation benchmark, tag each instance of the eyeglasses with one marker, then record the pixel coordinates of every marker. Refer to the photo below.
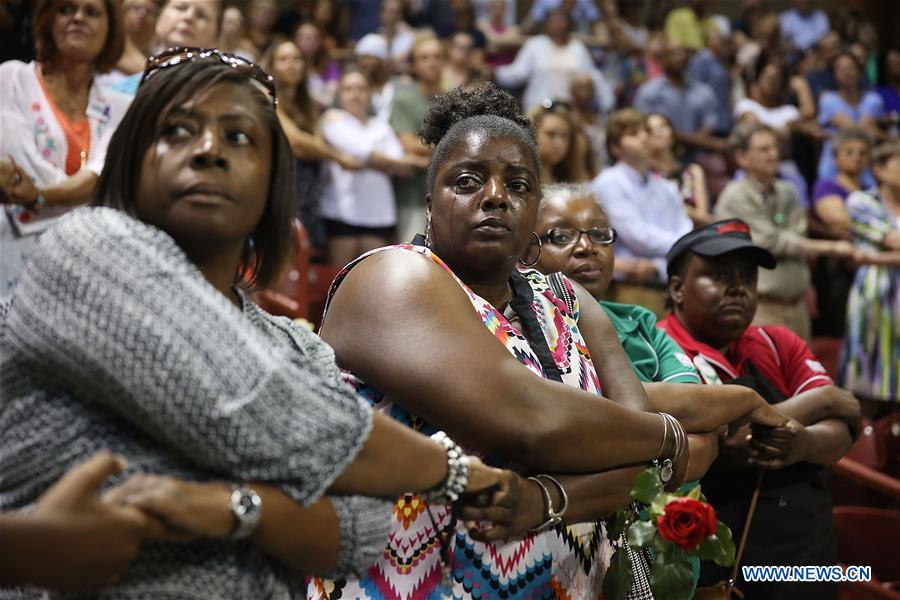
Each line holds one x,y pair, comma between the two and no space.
180,55
567,236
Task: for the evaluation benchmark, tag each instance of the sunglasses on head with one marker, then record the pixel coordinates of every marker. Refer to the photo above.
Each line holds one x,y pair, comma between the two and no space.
182,55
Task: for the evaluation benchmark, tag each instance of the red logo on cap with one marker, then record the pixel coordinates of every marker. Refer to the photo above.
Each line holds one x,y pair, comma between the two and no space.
735,226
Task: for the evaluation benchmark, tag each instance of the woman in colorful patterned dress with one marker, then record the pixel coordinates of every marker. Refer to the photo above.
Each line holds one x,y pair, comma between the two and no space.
456,337
870,362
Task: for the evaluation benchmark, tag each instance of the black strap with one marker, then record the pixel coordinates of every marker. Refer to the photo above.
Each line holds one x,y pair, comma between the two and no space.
522,304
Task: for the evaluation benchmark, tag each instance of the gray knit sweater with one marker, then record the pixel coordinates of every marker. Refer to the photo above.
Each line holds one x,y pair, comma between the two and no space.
115,340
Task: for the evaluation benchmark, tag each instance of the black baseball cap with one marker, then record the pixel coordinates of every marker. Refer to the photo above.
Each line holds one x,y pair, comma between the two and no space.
716,239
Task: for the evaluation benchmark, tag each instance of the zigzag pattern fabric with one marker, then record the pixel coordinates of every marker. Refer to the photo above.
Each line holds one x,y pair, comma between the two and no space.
567,562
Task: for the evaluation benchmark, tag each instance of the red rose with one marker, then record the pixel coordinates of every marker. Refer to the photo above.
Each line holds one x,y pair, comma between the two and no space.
687,522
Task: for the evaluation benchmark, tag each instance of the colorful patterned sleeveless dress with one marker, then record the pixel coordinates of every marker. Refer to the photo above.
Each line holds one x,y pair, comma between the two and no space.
568,562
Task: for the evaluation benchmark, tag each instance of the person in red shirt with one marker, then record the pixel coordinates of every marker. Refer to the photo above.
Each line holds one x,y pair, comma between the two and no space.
712,274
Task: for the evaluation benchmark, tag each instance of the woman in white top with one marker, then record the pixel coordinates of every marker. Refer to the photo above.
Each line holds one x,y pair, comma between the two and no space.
546,65
768,100
55,122
358,206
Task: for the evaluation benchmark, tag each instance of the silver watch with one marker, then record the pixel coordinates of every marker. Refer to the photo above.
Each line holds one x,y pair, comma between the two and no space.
246,506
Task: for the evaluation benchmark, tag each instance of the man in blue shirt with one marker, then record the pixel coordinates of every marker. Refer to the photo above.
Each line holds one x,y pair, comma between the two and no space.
689,105
644,208
801,27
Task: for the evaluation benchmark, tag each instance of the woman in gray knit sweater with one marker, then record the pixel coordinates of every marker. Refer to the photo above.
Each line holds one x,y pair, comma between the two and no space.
130,330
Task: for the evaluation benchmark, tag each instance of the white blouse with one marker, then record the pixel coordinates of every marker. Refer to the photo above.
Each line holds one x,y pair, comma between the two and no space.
31,134
778,117
364,197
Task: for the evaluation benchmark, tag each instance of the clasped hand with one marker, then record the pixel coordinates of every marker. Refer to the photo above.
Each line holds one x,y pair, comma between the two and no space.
16,186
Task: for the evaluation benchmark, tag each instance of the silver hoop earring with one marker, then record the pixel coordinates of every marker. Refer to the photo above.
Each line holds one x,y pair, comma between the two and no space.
428,231
540,247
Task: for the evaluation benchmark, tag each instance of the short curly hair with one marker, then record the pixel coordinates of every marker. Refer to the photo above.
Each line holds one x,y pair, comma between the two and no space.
457,113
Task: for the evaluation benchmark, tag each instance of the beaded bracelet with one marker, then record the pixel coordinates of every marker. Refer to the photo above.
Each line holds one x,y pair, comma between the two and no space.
454,484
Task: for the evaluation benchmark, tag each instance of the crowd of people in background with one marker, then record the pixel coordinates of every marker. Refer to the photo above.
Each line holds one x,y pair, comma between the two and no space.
626,144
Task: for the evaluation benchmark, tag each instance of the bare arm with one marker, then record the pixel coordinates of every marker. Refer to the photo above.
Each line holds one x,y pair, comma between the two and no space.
613,368
806,102
306,145
884,259
468,384
822,403
77,189
412,144
704,408
305,539
591,497
703,139
833,212
383,162
701,197
830,440
871,126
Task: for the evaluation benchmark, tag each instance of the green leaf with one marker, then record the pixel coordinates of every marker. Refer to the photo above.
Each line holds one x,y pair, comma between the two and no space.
640,533
647,486
617,525
694,493
718,547
724,535
659,506
671,577
619,576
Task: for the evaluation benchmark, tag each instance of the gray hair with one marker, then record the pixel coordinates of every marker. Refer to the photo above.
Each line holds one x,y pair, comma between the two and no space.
567,191
851,134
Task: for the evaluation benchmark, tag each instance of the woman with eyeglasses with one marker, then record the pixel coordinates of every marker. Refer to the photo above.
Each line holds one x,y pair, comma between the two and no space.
449,333
132,330
55,122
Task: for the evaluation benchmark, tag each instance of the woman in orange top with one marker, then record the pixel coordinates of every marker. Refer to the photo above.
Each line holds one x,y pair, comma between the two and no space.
56,122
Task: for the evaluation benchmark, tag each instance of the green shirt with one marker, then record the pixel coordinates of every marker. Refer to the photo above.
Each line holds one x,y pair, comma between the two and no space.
407,115
654,356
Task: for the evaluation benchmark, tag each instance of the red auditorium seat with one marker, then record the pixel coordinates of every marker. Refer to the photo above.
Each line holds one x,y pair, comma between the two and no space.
290,297
887,438
869,536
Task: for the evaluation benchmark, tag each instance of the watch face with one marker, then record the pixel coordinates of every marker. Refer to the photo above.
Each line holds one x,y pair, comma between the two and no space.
247,503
